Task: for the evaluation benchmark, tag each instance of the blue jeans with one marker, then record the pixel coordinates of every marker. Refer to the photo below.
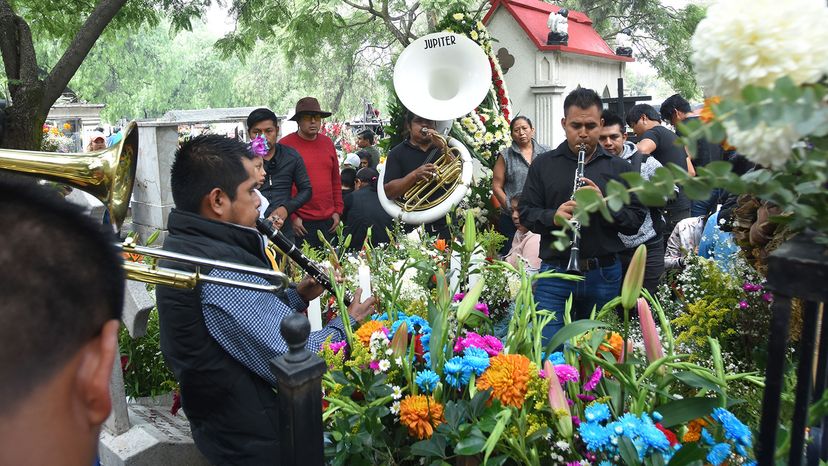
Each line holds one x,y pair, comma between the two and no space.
598,288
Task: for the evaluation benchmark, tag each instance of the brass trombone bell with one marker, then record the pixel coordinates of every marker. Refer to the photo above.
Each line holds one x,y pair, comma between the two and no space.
108,174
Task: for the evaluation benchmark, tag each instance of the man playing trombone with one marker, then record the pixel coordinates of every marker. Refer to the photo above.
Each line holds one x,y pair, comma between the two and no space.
218,339
547,195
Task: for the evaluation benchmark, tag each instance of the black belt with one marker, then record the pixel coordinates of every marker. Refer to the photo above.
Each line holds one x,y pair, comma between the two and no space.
588,264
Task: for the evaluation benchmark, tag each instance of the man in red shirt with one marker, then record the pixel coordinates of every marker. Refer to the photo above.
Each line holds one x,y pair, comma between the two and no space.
324,209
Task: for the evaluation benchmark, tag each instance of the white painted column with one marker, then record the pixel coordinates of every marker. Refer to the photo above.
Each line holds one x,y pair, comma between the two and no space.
152,196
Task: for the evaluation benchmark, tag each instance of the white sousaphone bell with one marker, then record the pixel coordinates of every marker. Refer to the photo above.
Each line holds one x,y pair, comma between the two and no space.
441,77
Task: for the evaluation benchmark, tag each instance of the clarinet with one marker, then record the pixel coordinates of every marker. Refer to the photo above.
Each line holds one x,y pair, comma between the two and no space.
574,265
278,238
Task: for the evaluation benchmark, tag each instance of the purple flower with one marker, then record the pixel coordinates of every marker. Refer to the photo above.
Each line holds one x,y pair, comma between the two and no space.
768,297
576,421
258,146
585,398
566,373
482,307
374,365
336,346
743,304
458,297
593,380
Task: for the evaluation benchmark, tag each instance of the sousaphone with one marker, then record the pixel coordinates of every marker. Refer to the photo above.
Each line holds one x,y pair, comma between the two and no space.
441,77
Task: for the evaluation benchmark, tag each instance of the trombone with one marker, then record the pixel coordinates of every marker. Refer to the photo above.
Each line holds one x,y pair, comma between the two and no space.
109,176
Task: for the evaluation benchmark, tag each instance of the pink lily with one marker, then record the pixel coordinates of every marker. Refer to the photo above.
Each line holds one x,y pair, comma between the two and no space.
557,401
652,341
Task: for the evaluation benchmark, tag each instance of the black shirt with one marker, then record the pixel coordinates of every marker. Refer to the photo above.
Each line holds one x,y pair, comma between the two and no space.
403,159
363,210
706,151
666,150
549,184
282,171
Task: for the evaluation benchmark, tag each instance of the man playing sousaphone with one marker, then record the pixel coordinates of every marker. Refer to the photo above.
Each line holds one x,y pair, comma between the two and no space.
412,161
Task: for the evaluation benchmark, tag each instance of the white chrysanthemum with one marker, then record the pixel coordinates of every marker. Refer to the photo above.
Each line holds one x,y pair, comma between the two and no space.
769,146
488,138
395,408
743,42
396,391
458,16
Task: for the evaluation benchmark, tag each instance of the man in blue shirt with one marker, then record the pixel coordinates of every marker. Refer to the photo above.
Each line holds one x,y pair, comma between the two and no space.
218,339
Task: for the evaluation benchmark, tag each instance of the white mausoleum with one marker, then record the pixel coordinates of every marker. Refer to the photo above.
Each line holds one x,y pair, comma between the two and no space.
538,76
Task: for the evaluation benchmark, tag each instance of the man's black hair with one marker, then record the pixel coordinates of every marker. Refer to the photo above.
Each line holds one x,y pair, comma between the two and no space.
61,279
516,197
259,115
364,155
368,135
611,118
516,119
638,110
671,104
583,98
348,176
206,162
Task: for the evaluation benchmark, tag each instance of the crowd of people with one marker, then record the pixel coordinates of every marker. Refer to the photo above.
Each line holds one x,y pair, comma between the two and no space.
217,340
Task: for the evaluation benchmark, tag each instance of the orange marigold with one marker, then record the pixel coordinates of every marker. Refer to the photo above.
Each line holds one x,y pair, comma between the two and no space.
368,328
440,245
694,428
614,343
706,115
421,414
507,376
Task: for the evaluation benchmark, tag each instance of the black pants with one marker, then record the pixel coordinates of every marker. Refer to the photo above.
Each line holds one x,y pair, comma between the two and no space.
655,263
313,226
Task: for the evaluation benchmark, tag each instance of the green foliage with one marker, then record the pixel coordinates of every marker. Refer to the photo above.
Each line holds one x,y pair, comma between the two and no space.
661,34
145,372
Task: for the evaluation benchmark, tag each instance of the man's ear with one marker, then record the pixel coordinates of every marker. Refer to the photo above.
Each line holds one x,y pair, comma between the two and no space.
213,204
563,123
94,373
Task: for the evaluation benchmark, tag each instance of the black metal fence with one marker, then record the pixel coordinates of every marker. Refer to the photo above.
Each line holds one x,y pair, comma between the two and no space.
798,268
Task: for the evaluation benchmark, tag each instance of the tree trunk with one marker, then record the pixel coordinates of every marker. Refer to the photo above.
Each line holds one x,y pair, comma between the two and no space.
24,120
32,97
346,81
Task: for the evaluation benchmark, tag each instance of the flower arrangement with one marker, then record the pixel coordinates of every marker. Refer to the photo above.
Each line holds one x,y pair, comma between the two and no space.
439,386
486,129
55,140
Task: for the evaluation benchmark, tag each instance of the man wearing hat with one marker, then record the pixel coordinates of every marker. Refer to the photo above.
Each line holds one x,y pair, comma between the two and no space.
365,141
323,211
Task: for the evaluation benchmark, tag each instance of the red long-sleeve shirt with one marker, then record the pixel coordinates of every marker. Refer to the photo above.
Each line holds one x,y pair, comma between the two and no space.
323,170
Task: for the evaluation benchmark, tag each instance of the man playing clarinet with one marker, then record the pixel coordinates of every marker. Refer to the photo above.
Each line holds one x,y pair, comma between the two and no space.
218,339
547,197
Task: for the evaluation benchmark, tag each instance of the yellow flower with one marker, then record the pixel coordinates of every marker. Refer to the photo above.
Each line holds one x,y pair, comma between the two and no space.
67,126
507,376
458,16
473,35
488,138
367,329
480,25
421,414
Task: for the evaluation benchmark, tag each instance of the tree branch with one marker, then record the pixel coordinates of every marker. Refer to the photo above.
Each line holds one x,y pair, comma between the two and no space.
8,41
77,51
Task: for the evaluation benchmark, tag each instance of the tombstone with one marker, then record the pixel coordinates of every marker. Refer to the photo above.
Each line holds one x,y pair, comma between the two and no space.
152,196
143,432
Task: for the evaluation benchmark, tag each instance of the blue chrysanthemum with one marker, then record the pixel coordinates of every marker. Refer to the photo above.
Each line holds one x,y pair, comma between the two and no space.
597,412
557,358
475,360
605,463
734,428
651,436
718,454
595,436
629,423
705,435
427,380
427,359
740,449
456,374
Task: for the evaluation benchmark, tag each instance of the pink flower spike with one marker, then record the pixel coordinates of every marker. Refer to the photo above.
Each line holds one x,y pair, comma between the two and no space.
652,342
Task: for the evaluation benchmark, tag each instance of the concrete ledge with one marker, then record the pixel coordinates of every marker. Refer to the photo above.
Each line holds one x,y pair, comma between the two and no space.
155,438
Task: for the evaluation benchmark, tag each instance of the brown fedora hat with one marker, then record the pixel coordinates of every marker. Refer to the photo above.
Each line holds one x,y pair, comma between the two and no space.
308,105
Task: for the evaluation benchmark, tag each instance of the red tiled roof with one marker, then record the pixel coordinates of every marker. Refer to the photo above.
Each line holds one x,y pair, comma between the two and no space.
531,15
